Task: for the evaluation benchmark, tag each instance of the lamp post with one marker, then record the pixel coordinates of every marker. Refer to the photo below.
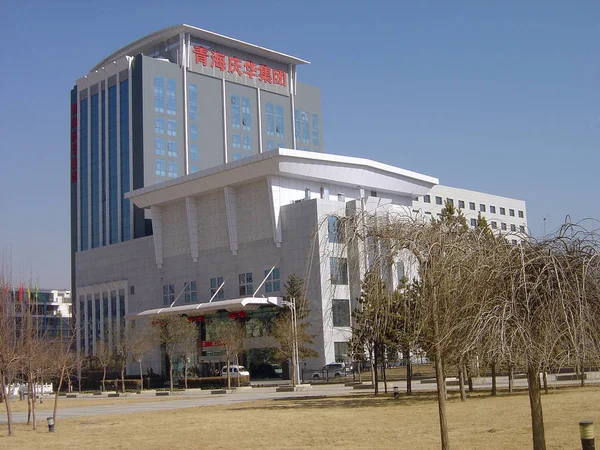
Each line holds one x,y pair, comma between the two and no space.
295,355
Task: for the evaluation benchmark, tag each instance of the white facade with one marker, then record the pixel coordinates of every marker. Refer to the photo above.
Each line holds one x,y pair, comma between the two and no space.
243,218
507,216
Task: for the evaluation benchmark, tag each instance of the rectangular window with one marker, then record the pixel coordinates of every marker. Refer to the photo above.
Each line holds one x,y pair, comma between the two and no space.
171,98
333,228
172,145
473,222
236,140
168,294
279,131
341,312
237,156
472,206
193,152
193,132
270,145
160,168
247,142
297,123
245,284
172,169
450,201
269,111
214,285
522,228
503,226
494,225
339,270
315,129
235,111
502,211
193,168
521,215
159,125
493,209
438,200
246,122
341,351
427,199
511,212
273,283
159,94
190,292
305,130
482,207
171,128
159,146
513,227
193,101
461,204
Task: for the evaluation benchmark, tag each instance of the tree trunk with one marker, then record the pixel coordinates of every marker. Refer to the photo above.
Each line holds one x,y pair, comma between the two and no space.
441,395
60,381
384,376
461,382
545,376
582,374
141,376
103,380
171,373
375,373
6,396
494,387
511,381
28,400
293,367
535,404
123,379
185,369
228,375
33,405
408,373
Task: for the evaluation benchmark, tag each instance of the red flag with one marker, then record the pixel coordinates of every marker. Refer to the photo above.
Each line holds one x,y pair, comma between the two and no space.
21,292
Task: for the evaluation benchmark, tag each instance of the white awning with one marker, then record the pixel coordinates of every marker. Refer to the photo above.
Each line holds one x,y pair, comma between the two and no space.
232,305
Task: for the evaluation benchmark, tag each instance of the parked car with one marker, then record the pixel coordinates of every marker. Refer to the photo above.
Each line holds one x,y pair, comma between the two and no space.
235,371
265,370
332,370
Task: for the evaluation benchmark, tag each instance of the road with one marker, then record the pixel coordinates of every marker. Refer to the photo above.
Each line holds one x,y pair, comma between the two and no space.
197,398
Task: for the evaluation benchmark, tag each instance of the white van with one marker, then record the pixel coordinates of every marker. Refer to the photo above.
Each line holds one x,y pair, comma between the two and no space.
235,371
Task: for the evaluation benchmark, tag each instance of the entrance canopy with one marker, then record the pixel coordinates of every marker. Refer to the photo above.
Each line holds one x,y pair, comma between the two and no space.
232,305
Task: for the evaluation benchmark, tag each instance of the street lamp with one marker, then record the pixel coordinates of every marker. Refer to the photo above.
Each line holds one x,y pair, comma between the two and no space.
295,356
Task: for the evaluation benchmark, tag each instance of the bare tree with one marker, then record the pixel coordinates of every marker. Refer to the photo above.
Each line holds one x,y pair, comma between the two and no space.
105,358
230,335
9,349
171,332
283,327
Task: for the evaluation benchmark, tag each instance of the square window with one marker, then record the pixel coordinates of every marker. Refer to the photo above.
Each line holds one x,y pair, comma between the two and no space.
450,201
171,128
438,200
172,146
427,199
513,227
493,209
159,125
247,142
473,222
482,207
494,224
245,284
159,146
502,211
160,168
511,212
172,169
521,215
522,228
215,283
472,206
273,283
236,140
503,226
461,204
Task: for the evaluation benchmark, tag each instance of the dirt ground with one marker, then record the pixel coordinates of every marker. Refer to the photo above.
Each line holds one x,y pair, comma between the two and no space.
482,422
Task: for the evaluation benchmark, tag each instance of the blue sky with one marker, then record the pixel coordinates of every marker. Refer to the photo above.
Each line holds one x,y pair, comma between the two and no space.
499,97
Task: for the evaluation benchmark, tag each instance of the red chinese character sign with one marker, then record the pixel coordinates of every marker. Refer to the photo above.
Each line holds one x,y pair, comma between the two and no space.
236,66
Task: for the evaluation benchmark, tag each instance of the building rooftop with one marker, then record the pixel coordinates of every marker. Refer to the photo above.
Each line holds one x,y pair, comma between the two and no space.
343,170
167,33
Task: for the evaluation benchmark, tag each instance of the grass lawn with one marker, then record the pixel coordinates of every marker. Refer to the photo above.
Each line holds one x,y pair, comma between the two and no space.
362,422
